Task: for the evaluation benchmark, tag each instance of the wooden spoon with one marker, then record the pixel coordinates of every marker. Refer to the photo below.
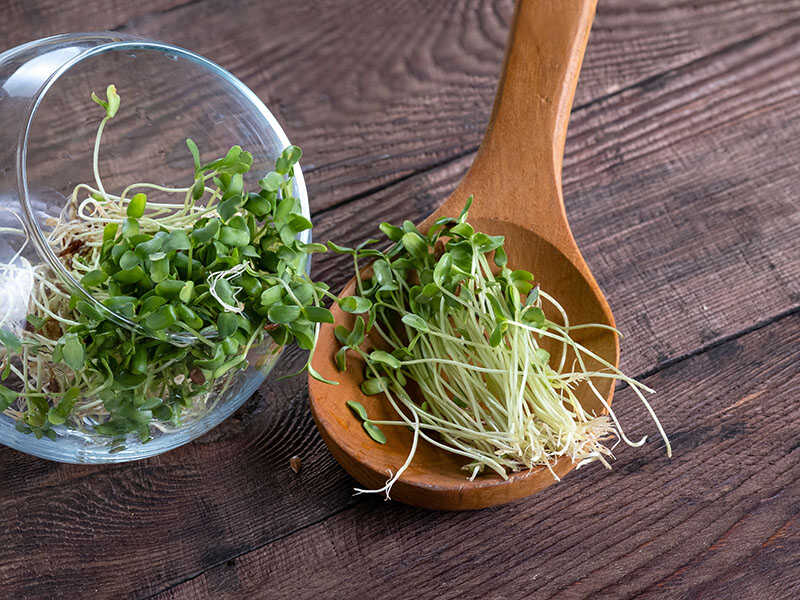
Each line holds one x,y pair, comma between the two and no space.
516,182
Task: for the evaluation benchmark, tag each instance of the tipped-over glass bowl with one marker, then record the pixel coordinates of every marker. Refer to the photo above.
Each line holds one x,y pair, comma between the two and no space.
47,133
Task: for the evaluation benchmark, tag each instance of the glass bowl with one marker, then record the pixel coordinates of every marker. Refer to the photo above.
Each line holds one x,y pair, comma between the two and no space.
47,132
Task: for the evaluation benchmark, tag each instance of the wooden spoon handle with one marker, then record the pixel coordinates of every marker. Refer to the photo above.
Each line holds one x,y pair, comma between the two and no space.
516,175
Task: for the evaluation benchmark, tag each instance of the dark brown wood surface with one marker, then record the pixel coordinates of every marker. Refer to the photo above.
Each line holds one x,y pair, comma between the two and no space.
682,186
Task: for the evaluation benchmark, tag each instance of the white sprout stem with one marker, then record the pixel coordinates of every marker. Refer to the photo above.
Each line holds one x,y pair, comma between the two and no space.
96,157
500,407
393,478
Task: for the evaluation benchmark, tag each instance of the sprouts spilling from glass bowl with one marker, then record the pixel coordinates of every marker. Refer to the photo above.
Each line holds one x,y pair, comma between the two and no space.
181,288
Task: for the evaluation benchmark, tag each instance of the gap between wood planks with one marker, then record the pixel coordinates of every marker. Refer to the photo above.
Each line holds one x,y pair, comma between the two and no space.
642,83
649,373
122,26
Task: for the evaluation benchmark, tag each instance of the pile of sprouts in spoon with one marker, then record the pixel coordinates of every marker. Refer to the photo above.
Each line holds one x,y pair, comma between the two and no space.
182,296
443,310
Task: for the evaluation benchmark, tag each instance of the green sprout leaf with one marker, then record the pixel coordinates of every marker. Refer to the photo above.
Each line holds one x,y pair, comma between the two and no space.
415,245
176,240
93,279
271,182
463,230
137,205
358,409
110,232
341,358
228,208
442,269
486,243
374,432
187,292
272,295
128,277
207,232
113,101
227,324
73,351
10,341
230,236
288,159
198,189
465,212
416,322
298,223
340,249
356,336
129,260
380,356
318,314
111,105
284,314
500,257
195,153
7,397
162,318
382,272
258,205
533,296
317,375
159,267
497,334
36,321
58,414
374,385
355,304
130,228
534,316
393,233
224,291
342,334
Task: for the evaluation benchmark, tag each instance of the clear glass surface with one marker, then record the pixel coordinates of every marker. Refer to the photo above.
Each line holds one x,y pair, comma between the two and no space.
47,129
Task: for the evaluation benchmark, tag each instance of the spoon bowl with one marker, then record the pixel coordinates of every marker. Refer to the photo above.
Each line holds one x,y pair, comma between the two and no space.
516,182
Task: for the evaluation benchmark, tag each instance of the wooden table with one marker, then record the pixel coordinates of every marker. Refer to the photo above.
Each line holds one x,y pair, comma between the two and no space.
682,184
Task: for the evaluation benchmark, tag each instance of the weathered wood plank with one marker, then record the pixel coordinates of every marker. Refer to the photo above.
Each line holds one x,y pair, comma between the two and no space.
697,169
718,520
377,92
135,528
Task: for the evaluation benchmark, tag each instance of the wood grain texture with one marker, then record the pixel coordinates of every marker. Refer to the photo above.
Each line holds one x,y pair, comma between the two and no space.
375,91
688,139
719,520
133,529
24,21
682,197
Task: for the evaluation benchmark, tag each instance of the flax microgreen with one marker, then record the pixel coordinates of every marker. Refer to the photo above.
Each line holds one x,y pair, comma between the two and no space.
203,274
448,313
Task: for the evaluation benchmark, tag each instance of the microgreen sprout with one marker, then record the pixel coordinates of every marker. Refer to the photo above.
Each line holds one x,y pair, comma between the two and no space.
208,272
444,310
